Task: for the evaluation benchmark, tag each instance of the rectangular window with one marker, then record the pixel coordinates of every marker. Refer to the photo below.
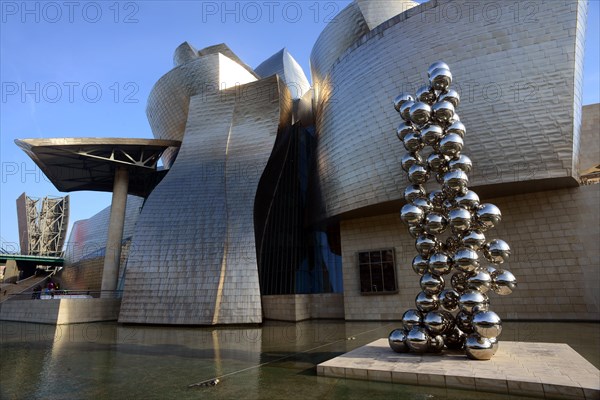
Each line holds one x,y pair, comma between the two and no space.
377,269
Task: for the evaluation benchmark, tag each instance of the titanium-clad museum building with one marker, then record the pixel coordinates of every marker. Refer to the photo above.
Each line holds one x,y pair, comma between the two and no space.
281,200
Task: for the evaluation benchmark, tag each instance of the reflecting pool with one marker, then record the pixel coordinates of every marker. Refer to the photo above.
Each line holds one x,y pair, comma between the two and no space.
273,361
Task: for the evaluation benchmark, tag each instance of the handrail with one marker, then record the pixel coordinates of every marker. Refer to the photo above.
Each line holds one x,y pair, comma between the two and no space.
65,294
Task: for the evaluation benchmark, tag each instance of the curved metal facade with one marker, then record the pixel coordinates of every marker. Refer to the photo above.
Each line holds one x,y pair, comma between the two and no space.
518,84
283,64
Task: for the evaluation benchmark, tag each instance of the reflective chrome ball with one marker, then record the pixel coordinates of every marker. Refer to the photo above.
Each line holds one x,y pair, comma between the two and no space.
404,129
438,162
415,230
427,302
451,96
488,216
435,223
411,214
473,239
418,339
466,260
411,318
431,284
456,181
439,264
440,79
463,163
458,128
401,99
481,281
431,134
442,111
451,145
410,159
420,113
451,245
464,322
420,264
414,191
423,203
459,281
503,282
397,341
405,110
436,197
426,244
487,324
438,322
455,340
412,142
449,299
471,299
459,219
496,251
479,348
469,200
418,174
436,345
436,65
426,95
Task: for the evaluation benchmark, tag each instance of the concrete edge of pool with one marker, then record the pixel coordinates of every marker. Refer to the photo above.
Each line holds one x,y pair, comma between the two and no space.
544,370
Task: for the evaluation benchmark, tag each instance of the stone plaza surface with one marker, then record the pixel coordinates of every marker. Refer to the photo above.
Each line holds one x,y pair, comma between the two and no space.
545,370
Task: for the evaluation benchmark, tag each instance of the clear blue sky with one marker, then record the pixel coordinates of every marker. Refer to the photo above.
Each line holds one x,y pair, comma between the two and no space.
65,53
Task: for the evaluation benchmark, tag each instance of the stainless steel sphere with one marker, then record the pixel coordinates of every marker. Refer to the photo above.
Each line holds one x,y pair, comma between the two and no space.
457,127
449,299
481,281
420,113
487,324
426,95
431,134
436,65
404,129
491,269
397,341
466,260
426,302
469,200
418,339
451,145
451,245
412,142
438,322
426,244
436,198
463,163
410,159
416,230
471,299
451,96
411,318
401,99
424,204
431,284
436,344
411,214
459,282
456,181
435,223
455,118
488,216
459,219
479,348
405,110
439,264
414,191
503,282
440,79
473,239
418,174
420,264
442,112
438,162
464,321
455,340
496,251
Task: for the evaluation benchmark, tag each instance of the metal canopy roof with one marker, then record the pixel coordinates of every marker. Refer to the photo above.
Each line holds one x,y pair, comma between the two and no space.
74,164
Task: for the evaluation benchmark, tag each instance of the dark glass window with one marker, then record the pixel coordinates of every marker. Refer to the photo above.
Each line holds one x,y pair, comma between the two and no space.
377,271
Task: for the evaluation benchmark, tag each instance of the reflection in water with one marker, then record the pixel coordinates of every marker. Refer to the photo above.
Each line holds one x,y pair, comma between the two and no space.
275,360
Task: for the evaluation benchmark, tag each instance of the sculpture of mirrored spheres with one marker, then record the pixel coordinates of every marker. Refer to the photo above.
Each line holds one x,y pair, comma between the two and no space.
452,311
